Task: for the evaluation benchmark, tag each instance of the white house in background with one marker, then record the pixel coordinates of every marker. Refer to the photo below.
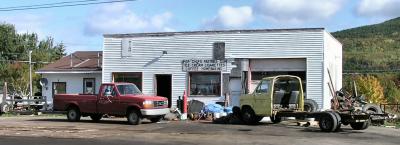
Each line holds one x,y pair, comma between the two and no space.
210,64
79,72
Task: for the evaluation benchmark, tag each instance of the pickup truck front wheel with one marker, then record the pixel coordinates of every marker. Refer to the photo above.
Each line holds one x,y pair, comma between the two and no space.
73,114
134,117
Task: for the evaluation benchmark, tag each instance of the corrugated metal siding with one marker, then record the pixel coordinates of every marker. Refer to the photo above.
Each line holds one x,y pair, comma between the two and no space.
146,54
333,62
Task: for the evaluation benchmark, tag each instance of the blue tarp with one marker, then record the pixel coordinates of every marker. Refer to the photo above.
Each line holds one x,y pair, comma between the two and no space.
228,110
216,108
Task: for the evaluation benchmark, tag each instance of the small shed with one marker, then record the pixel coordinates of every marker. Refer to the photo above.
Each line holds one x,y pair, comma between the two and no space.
79,72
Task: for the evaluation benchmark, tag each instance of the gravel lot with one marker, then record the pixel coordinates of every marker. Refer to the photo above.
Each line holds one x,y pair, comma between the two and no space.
43,130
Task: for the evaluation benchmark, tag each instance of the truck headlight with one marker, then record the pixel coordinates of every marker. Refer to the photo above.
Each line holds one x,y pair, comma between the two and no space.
148,104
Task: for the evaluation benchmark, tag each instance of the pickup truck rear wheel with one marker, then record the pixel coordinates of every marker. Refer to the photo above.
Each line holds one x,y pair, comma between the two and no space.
73,114
96,117
134,117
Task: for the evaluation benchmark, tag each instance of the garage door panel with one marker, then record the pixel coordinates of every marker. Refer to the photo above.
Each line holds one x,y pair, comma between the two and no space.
277,64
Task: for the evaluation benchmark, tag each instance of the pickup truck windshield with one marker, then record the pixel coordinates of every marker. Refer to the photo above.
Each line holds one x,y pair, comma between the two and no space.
128,89
263,87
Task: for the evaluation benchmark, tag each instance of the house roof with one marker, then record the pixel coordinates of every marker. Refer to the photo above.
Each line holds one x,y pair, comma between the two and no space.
163,34
77,62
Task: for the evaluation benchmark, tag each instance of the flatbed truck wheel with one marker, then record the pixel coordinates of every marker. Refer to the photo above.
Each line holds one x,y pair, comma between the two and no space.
327,122
248,116
275,119
339,120
360,125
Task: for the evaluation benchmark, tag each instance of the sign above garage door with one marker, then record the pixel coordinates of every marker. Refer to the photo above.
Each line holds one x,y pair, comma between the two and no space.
204,65
278,64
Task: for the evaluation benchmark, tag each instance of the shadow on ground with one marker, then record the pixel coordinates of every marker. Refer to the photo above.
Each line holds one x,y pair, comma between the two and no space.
85,121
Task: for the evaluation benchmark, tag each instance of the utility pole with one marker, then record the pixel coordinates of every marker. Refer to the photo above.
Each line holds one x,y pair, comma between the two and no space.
30,74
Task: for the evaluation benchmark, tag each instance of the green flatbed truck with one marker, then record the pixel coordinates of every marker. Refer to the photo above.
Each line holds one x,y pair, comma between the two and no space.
282,96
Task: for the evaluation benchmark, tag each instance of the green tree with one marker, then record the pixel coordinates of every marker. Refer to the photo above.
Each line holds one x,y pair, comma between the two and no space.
14,52
390,88
371,88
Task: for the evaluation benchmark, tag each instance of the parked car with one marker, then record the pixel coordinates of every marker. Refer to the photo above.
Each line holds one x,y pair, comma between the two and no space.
116,99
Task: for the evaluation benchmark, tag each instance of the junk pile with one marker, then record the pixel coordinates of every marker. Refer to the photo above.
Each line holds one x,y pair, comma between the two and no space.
197,110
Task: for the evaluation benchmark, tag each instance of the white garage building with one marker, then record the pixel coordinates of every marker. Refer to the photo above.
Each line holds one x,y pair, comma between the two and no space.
210,64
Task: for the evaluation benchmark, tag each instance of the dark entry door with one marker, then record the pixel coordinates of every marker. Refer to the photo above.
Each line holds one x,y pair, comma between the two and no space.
164,87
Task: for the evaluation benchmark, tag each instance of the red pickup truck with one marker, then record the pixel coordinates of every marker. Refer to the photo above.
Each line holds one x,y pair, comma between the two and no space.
117,99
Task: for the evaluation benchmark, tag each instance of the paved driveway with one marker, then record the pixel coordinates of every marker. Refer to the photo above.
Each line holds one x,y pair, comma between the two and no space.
56,130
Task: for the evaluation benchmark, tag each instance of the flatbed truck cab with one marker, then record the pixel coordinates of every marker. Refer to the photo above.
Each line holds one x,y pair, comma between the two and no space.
282,96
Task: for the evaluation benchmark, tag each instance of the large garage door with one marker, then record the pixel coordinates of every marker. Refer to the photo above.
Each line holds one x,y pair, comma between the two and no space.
261,68
278,64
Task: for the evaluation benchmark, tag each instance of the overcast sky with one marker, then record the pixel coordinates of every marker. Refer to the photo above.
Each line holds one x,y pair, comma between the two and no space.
81,27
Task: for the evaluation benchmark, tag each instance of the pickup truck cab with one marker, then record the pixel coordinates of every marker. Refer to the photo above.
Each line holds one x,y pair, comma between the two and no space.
116,99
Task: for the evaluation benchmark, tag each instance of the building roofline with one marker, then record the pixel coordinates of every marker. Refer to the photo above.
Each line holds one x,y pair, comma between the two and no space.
68,72
164,34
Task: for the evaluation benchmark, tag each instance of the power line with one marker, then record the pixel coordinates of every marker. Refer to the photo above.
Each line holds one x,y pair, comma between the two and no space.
47,4
65,4
25,61
351,72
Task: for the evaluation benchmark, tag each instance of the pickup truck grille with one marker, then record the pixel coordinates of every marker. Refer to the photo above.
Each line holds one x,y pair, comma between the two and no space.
159,103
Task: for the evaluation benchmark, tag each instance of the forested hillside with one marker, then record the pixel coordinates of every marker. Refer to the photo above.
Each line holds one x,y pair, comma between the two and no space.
14,50
373,47
372,58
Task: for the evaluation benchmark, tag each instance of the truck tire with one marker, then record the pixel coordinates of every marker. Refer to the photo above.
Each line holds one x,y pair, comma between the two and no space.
134,117
360,125
156,119
248,116
310,105
339,120
96,117
73,114
236,111
372,109
327,122
275,119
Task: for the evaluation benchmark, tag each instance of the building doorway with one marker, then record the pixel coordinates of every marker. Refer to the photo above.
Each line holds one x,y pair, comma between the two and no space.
164,86
59,88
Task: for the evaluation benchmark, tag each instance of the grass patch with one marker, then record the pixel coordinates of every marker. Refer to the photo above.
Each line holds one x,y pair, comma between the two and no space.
395,123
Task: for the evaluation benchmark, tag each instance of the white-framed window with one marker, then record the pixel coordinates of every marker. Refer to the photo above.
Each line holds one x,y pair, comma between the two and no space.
205,83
